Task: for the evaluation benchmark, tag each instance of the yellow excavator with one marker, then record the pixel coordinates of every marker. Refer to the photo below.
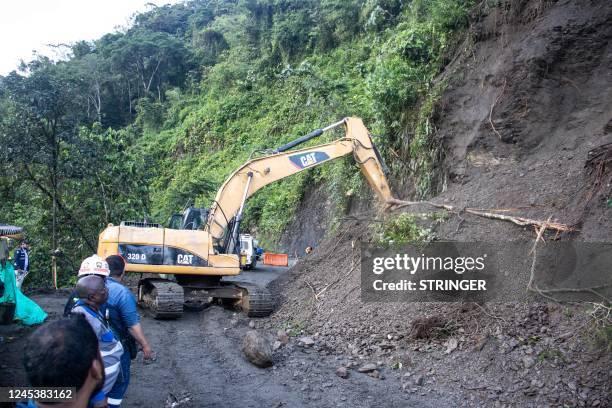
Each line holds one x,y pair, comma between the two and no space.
202,245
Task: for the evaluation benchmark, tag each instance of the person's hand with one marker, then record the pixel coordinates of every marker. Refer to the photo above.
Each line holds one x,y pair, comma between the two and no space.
147,352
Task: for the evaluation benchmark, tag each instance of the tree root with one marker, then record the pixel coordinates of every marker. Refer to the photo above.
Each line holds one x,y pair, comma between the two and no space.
539,226
533,287
491,110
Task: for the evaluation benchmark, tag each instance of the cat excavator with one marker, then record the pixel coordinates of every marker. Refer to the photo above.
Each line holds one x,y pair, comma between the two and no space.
201,245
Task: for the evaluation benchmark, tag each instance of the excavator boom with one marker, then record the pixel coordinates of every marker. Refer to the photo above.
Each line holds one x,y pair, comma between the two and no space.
259,172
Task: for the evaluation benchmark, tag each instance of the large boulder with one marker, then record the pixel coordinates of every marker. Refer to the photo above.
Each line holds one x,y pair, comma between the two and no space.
257,349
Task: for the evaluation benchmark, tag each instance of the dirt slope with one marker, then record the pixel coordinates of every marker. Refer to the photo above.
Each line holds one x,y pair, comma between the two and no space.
529,95
523,109
309,226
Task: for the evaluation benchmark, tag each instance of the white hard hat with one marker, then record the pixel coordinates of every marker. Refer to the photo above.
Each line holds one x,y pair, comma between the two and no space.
94,265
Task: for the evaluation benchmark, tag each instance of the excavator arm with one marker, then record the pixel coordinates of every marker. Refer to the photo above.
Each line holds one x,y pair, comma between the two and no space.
282,162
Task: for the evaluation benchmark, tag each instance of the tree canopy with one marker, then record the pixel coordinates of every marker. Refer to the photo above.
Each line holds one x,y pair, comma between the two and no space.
139,123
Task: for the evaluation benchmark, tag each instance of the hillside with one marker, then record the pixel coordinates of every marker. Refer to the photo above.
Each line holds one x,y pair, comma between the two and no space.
525,98
495,105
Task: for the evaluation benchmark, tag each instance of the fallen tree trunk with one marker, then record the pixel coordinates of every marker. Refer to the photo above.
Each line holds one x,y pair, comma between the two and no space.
486,213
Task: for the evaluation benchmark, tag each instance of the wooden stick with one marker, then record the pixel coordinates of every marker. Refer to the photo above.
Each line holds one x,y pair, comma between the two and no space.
314,292
521,220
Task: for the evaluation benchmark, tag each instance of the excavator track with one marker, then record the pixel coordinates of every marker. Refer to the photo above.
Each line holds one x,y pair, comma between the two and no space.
163,298
256,301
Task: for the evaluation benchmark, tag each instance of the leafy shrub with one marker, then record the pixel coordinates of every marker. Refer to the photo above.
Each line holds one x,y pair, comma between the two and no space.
402,229
393,88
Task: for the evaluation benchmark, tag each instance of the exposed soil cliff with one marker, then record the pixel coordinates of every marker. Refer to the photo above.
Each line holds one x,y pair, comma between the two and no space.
528,96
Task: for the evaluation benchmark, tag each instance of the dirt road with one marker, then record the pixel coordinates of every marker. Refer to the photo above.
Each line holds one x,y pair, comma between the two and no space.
199,357
199,364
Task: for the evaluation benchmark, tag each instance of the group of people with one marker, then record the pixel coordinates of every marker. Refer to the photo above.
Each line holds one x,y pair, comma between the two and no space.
92,347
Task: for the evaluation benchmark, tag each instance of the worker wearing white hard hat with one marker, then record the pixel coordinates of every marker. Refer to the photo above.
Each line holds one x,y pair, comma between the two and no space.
93,265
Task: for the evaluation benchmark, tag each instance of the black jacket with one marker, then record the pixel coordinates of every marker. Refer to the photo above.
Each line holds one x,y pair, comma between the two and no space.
20,259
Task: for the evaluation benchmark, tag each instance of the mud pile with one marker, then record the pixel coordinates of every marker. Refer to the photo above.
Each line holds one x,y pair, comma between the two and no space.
525,105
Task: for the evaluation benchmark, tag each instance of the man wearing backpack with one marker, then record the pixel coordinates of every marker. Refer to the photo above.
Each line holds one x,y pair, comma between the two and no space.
92,293
120,310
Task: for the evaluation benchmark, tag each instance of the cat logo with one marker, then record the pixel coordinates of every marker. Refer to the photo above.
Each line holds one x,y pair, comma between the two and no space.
304,160
184,259
308,159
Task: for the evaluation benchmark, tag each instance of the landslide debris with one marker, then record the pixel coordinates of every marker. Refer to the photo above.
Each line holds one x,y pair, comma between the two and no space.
257,349
527,99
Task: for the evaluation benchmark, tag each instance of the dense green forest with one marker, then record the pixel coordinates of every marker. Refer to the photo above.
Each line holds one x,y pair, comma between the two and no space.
142,122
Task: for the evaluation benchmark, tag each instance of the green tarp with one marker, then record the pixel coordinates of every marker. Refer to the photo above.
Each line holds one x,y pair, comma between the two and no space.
26,310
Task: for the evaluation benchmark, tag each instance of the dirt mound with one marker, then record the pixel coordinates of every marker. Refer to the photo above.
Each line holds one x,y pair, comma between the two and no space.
504,353
528,99
523,109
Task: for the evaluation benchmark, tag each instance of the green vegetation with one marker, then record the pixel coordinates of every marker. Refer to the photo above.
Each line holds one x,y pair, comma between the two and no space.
294,328
404,228
603,337
396,365
550,354
139,124
424,151
599,329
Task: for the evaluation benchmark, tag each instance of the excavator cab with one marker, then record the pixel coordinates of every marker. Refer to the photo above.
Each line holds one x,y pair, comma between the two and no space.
193,218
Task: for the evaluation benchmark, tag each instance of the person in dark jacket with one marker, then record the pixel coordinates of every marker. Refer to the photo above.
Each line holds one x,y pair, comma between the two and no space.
21,262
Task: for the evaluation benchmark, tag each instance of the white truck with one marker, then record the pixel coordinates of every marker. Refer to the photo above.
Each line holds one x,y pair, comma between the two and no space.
249,249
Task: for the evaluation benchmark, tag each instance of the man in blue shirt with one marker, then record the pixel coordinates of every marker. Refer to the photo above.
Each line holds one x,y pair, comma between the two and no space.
125,320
